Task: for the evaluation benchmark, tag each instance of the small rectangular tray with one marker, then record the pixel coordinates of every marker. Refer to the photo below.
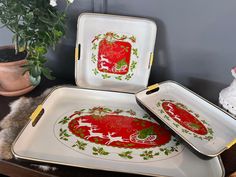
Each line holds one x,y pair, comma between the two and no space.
204,126
98,130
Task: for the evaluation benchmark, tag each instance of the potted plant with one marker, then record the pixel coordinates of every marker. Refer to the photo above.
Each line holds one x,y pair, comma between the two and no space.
36,25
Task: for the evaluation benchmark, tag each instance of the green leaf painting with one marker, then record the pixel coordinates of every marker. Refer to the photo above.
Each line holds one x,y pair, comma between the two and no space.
126,155
80,144
99,151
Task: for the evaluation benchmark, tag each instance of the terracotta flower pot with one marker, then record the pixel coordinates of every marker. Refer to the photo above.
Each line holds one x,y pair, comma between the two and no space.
12,82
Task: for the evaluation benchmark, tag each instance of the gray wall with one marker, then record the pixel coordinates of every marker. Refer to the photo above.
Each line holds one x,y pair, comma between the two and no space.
197,41
196,44
5,36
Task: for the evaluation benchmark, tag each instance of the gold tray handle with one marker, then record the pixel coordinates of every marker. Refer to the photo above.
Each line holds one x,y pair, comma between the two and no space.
151,60
152,87
77,52
37,114
231,143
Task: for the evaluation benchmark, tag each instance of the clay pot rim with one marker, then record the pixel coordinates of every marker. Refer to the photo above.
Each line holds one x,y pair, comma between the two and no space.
12,63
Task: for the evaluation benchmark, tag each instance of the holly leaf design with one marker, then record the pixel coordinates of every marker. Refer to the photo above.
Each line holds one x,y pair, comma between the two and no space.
126,155
118,78
64,120
146,116
133,65
210,131
95,71
167,117
79,112
63,134
99,151
94,46
128,76
176,125
135,52
93,58
133,39
105,76
148,155
79,144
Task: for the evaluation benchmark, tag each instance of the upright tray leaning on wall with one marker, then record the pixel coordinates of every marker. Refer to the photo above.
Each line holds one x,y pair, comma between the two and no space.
204,126
107,130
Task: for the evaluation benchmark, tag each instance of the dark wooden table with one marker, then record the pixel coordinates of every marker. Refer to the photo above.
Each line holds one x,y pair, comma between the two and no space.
20,168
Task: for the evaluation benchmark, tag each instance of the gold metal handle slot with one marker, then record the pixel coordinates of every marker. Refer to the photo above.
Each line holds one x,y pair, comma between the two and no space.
152,88
151,60
231,143
36,115
77,52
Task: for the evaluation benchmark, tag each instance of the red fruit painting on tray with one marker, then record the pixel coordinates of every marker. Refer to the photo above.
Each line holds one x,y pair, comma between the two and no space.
114,56
104,132
186,118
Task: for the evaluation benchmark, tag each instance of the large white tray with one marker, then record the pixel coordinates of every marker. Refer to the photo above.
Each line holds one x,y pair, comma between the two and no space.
48,142
207,128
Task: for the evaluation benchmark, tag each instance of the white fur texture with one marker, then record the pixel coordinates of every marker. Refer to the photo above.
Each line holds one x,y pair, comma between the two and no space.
11,124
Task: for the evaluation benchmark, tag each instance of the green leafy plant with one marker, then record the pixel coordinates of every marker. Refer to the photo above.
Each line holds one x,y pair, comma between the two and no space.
36,26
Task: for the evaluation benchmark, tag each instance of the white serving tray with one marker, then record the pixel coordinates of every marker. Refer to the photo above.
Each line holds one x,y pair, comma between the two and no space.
207,128
47,140
114,52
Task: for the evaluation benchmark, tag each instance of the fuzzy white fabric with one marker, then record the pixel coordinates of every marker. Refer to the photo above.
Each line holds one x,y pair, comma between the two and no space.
11,124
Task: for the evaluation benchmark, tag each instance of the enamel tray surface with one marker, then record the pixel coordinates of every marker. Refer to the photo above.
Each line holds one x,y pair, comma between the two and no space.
107,131
115,52
205,127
